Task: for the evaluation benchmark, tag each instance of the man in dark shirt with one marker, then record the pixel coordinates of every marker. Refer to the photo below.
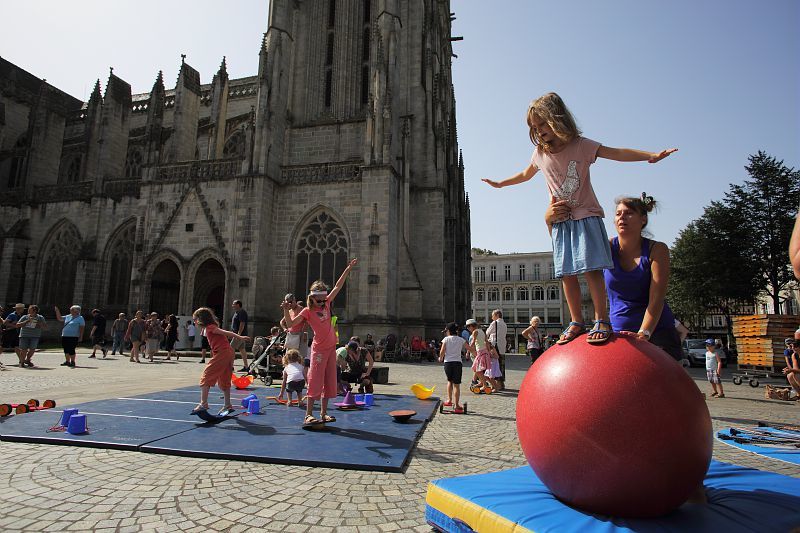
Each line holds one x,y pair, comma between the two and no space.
11,333
98,333
239,325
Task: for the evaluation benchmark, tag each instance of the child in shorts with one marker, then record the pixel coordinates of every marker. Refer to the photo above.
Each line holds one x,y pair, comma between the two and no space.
450,355
219,368
293,377
714,368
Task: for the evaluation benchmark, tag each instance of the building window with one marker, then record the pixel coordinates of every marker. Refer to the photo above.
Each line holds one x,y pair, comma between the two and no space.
536,272
493,273
522,294
322,254
506,272
70,169
493,294
584,290
480,274
522,317
120,253
552,269
329,52
133,164
717,321
60,265
508,294
479,295
552,293
538,293
522,272
479,319
234,146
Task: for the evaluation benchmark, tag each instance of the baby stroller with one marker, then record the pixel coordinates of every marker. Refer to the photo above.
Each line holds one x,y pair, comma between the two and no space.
268,358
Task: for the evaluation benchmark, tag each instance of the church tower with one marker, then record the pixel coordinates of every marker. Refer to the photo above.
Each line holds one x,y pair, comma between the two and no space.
355,123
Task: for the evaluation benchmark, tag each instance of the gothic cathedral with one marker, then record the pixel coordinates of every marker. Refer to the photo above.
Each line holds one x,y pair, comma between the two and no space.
343,145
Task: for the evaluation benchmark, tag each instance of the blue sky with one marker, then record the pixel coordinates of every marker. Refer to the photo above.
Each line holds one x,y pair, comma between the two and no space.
717,79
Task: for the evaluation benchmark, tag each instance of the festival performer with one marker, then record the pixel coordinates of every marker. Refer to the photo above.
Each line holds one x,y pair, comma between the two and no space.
480,352
322,383
450,355
219,368
580,243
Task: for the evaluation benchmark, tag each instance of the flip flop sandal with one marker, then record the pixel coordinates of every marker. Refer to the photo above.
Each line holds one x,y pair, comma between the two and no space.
605,334
309,419
328,418
568,335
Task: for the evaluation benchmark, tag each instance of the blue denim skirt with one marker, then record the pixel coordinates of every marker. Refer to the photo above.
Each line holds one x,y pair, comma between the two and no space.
580,246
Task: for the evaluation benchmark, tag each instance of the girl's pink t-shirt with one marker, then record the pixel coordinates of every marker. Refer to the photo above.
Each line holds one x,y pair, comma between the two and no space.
567,176
216,340
320,322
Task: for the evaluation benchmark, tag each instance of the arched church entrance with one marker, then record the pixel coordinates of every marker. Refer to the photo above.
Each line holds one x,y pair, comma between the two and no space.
165,288
209,287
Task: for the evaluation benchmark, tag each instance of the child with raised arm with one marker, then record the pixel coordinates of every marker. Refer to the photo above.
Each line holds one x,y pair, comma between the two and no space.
219,368
322,382
580,243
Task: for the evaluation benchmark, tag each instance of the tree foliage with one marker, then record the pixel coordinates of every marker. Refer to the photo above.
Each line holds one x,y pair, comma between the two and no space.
738,248
481,251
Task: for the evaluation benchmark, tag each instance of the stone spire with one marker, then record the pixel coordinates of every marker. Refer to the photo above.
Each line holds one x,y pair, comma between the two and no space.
155,121
219,112
183,142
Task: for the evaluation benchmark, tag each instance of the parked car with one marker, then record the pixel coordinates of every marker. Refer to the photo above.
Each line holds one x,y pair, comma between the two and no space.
695,351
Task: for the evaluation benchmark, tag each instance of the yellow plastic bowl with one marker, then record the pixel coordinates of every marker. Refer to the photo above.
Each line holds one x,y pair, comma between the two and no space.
421,391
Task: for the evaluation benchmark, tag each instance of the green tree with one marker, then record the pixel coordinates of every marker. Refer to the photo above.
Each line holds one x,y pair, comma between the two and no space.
766,205
481,251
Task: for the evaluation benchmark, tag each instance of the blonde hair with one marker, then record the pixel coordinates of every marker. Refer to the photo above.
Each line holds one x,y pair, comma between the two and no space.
291,356
551,109
537,319
318,285
205,317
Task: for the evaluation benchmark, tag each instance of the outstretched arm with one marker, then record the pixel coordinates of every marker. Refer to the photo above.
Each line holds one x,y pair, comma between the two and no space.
233,335
628,154
341,280
519,177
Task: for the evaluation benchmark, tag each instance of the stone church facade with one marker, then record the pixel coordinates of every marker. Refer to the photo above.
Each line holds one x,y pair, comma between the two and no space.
343,145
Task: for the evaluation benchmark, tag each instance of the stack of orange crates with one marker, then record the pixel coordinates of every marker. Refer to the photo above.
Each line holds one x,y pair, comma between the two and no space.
759,340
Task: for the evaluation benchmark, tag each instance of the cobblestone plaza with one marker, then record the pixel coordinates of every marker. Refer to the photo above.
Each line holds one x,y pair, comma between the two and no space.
57,488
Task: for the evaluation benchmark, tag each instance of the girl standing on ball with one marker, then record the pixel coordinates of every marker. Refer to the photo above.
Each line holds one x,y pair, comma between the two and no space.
322,383
580,242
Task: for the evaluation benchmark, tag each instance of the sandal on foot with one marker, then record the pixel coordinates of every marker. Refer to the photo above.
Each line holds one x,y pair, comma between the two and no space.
309,419
198,409
568,335
605,334
328,418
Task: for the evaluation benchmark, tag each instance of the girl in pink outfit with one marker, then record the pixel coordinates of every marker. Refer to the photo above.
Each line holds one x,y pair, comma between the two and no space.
580,242
322,374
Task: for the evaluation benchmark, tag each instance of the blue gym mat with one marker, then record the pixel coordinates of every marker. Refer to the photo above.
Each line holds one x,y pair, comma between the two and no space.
739,499
786,454
160,422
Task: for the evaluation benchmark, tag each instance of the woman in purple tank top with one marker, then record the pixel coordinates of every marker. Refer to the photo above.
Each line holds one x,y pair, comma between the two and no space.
637,284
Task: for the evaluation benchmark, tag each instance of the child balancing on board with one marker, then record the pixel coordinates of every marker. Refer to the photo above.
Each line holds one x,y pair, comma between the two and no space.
219,368
322,382
580,243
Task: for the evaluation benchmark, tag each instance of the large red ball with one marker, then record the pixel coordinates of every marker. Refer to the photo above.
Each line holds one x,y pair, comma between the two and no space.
617,429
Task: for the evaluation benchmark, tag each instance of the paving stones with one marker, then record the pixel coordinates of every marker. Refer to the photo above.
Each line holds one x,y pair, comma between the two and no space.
57,488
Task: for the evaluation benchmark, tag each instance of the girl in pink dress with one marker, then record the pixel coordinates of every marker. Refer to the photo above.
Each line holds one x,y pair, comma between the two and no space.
580,242
322,383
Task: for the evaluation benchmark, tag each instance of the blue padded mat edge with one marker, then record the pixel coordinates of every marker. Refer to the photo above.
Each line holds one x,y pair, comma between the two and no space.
740,499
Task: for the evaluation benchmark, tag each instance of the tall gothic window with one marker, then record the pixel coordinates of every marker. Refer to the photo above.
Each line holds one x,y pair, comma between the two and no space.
120,261
329,53
321,255
15,167
234,146
70,171
133,164
59,266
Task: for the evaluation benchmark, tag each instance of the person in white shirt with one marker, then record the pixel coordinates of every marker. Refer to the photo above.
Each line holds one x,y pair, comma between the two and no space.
496,333
714,368
450,355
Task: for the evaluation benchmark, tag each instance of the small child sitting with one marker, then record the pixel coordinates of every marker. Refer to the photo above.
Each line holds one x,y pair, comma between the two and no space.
293,380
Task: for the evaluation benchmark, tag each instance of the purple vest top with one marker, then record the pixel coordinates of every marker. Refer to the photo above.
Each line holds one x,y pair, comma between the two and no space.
629,292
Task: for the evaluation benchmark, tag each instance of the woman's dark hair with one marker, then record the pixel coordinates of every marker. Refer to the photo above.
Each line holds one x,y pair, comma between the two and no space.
642,205
452,328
